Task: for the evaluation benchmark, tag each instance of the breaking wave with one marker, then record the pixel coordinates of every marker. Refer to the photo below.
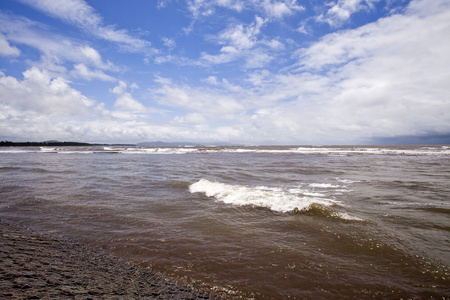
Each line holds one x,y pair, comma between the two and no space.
275,199
281,150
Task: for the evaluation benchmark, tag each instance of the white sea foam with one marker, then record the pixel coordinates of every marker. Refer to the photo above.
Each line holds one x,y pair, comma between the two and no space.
275,199
306,192
324,185
347,180
159,150
48,149
14,150
328,151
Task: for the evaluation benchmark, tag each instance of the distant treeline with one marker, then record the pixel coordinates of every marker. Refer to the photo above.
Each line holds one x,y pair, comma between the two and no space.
40,144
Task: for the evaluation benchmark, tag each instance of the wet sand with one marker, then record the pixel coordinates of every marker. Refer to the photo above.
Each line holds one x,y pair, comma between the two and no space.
35,265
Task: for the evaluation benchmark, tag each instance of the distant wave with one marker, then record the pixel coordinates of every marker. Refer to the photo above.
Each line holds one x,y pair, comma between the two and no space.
283,150
275,199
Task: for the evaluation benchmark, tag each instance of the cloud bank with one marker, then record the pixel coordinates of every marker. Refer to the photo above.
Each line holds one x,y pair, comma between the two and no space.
244,80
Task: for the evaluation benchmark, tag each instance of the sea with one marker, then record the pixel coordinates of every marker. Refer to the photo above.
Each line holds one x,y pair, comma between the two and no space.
249,222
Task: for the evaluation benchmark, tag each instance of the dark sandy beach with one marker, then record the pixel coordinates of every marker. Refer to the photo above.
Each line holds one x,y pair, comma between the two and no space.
35,265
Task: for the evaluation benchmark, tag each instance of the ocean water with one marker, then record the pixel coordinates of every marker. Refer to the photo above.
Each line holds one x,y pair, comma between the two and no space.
252,222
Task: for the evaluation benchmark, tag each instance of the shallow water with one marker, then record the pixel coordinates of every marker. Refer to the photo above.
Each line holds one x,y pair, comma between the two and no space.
262,222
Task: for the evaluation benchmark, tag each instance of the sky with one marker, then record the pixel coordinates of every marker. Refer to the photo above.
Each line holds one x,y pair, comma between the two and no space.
226,71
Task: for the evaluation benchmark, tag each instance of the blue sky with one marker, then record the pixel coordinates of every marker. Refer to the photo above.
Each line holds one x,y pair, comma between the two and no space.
251,72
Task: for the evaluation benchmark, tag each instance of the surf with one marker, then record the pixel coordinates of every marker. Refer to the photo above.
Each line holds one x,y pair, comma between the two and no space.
276,199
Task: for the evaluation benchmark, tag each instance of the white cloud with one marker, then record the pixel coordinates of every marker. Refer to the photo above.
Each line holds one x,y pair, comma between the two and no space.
6,49
274,44
82,15
378,80
120,88
92,55
81,70
40,107
73,11
272,10
387,78
127,103
341,10
388,38
373,81
163,59
163,3
53,47
227,54
240,37
39,92
201,8
278,9
211,80
258,59
198,100
237,40
169,43
303,28
191,118
32,126
52,66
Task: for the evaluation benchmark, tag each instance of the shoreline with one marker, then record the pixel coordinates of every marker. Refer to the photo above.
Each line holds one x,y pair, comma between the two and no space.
37,265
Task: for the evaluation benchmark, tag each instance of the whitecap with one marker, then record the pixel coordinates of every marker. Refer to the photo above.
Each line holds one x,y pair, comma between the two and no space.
324,185
275,199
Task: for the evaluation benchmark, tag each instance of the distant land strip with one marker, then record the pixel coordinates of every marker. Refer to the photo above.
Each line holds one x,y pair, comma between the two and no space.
40,144
54,143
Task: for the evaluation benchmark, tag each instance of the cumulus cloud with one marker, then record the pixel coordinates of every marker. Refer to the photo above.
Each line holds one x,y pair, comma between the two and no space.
211,80
127,103
82,15
279,9
385,79
240,37
39,92
376,80
120,88
341,10
237,41
351,86
244,42
40,106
